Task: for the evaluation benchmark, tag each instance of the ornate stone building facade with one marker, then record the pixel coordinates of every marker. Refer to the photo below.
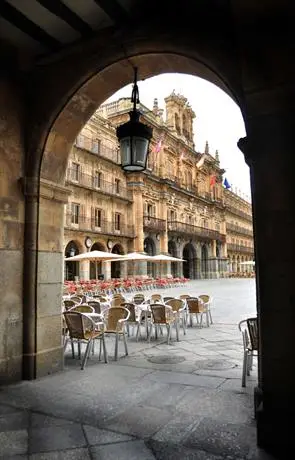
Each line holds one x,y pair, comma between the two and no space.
177,206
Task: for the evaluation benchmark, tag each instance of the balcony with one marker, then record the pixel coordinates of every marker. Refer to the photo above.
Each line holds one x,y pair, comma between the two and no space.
238,212
104,227
194,230
102,186
240,248
237,229
154,224
100,150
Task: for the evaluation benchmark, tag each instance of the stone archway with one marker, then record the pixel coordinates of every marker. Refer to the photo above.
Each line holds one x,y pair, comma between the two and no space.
172,249
97,246
150,248
75,100
204,261
116,266
71,268
189,266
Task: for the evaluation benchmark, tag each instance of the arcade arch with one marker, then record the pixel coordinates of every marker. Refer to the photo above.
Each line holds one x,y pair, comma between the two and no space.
189,254
97,246
150,248
71,269
117,267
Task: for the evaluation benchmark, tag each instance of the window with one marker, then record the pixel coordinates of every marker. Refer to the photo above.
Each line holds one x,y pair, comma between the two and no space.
97,217
117,221
96,143
149,210
117,185
75,208
97,179
172,215
75,172
80,140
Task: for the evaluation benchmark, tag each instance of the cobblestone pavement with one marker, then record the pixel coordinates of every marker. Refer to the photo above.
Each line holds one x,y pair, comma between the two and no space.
178,401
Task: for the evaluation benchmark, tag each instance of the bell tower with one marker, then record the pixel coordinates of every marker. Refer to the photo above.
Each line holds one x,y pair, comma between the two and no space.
179,117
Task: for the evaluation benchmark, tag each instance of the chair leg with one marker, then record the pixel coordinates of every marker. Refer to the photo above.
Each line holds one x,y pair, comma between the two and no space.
125,344
168,333
177,330
99,356
116,346
207,318
104,348
184,325
211,320
86,354
137,332
245,365
79,349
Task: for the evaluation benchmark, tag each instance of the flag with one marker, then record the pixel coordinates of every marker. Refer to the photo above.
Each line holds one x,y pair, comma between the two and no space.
158,146
226,183
200,163
212,180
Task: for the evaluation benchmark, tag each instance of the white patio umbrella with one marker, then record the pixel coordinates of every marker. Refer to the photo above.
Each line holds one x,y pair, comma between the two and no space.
248,262
135,257
94,256
165,258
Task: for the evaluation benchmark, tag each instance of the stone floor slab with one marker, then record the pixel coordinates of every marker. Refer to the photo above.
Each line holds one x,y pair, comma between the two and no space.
96,436
71,454
13,443
187,379
56,438
132,450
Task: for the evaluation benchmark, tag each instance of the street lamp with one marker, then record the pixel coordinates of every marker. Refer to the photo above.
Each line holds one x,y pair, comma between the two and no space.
134,137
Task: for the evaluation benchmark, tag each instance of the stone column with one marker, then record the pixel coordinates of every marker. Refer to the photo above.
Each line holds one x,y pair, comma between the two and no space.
48,355
84,270
269,151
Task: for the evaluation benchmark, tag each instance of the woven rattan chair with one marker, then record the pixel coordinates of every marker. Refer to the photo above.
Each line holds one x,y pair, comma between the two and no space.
133,320
165,299
178,306
82,329
68,303
138,298
156,298
207,302
77,299
249,330
195,308
115,322
96,305
83,308
162,315
117,300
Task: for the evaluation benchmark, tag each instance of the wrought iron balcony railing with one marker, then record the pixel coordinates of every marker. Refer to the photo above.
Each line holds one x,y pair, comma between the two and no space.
238,229
104,227
153,223
238,212
100,185
240,248
194,230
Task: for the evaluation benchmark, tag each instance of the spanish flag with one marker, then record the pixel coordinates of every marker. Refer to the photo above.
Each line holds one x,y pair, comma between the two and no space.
212,180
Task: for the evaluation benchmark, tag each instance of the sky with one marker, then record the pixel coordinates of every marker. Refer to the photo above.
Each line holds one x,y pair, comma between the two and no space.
218,120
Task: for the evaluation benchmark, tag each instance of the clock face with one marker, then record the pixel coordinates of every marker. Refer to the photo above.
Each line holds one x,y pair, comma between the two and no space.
88,242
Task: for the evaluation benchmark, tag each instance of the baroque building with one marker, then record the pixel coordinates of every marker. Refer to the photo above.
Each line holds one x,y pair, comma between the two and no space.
177,206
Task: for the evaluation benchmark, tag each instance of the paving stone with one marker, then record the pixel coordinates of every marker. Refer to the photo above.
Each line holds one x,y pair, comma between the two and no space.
8,410
141,421
193,380
42,420
97,436
70,454
56,438
177,429
132,450
226,438
14,421
164,451
13,443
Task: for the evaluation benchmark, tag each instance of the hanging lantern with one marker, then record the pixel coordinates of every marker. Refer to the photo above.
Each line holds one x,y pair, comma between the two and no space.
134,137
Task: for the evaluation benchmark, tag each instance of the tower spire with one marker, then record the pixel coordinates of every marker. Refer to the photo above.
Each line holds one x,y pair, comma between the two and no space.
207,148
217,157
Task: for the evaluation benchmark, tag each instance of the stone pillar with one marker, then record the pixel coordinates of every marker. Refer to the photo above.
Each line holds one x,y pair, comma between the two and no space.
269,151
135,183
48,355
84,270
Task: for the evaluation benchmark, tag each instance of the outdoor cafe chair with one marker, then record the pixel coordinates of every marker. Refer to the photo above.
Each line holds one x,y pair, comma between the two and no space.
162,315
96,305
195,308
115,322
156,298
76,299
83,308
178,307
68,304
207,301
138,298
81,328
134,318
249,330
